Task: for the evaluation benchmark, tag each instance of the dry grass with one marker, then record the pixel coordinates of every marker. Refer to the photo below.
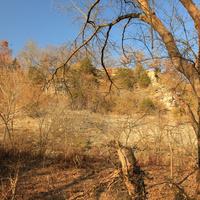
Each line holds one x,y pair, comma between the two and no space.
82,174
82,163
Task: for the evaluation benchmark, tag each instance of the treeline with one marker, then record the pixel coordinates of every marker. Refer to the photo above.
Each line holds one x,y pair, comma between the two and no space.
82,84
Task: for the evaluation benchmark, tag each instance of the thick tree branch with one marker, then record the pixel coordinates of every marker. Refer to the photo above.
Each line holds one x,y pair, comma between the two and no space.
193,11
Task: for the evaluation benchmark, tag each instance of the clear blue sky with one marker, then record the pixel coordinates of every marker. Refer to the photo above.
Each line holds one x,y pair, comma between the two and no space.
37,20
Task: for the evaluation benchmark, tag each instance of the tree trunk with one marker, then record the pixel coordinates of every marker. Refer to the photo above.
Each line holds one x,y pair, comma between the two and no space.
132,174
198,152
198,165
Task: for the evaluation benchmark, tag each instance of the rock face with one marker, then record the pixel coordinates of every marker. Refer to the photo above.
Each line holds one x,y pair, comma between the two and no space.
161,92
165,96
153,77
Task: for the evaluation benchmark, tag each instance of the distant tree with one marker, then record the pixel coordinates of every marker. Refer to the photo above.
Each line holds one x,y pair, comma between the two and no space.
141,76
86,66
15,64
126,78
83,83
5,54
144,80
30,55
15,92
41,62
36,75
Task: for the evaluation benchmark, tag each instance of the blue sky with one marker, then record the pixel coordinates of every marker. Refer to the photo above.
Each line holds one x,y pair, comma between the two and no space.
37,20
40,21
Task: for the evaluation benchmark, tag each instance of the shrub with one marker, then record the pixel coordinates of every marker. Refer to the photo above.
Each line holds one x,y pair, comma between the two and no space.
36,75
126,103
141,76
126,78
147,105
34,110
144,80
85,66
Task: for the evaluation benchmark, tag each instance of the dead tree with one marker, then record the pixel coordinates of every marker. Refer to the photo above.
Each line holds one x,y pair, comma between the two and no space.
132,174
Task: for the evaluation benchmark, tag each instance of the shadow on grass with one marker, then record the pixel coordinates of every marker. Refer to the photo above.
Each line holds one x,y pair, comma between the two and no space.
59,193
27,159
35,168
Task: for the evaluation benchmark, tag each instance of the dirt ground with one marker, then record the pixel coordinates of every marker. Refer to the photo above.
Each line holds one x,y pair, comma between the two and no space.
92,171
25,176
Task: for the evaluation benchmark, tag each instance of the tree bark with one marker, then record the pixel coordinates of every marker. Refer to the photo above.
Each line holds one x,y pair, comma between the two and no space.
193,10
132,174
186,67
198,165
